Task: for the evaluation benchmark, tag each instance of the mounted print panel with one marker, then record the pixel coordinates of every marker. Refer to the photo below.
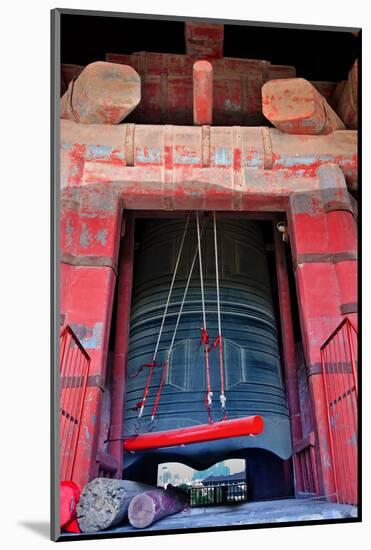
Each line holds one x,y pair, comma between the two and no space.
208,338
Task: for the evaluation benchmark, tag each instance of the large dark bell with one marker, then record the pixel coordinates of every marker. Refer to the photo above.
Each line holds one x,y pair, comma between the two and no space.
251,358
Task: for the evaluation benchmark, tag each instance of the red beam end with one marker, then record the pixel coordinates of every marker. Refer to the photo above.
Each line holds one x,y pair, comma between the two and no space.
202,93
237,427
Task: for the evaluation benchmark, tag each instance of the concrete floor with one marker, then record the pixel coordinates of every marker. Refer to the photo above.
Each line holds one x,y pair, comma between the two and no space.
273,511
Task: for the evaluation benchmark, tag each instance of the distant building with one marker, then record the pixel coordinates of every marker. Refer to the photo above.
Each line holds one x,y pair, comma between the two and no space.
166,477
239,477
219,469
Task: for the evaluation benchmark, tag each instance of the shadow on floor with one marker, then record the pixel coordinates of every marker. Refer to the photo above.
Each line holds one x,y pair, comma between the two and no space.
41,528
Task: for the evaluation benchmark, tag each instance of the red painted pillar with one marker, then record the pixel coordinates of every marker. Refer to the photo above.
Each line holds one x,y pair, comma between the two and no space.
289,355
90,231
202,93
319,309
121,341
342,236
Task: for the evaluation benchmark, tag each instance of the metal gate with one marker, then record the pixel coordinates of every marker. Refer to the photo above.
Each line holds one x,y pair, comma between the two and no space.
339,364
74,370
214,495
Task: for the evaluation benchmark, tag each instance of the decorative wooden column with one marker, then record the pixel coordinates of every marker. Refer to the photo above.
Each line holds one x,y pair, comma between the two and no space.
121,341
342,236
319,304
89,250
289,355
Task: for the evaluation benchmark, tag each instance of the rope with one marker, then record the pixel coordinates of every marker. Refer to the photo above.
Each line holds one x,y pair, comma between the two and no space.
142,403
158,395
171,288
166,364
184,295
204,335
219,340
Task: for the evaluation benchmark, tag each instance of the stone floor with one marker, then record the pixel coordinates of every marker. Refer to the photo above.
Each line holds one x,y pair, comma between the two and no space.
273,511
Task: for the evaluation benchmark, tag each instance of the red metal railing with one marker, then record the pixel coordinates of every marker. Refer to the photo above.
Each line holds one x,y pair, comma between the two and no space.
74,370
339,364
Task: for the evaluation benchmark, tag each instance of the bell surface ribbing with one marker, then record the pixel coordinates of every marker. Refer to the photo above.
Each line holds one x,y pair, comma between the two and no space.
253,379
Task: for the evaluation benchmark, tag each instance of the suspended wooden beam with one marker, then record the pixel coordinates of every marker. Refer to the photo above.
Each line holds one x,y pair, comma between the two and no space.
237,427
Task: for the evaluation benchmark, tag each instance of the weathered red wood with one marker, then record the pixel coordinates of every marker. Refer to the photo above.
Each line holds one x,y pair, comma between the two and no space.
326,89
202,93
167,87
90,153
69,72
337,94
103,93
121,342
342,237
204,40
89,247
289,353
237,427
151,506
347,106
294,106
319,300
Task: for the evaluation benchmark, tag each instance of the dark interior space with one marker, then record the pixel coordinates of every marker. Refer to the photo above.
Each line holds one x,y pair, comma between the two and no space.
316,54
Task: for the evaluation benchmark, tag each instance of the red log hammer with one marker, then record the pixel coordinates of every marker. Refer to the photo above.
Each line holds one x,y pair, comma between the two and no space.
236,427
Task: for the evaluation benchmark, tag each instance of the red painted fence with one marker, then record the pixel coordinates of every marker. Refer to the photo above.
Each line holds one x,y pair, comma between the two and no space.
339,364
74,370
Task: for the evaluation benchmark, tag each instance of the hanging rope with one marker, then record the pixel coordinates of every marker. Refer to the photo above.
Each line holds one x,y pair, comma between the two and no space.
166,363
219,339
152,365
204,334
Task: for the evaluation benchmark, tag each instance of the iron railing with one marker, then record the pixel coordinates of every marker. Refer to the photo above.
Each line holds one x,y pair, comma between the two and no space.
214,495
74,371
339,365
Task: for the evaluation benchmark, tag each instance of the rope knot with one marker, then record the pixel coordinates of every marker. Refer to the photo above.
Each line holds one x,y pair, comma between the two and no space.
217,342
204,337
209,398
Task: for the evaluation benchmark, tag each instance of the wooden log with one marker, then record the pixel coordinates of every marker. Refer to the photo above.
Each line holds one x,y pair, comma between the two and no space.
104,503
103,93
347,107
294,106
150,506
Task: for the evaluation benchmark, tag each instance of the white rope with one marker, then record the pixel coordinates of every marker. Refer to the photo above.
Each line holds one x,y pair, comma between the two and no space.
223,398
165,311
217,276
175,330
201,272
209,393
171,289
184,296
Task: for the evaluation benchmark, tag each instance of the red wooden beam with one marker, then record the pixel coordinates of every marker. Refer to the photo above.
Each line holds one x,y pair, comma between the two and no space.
237,427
